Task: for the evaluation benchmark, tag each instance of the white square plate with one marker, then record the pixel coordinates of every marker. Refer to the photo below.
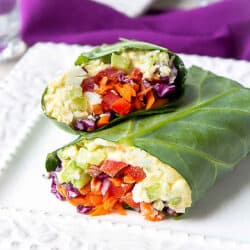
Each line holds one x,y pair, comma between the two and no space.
32,218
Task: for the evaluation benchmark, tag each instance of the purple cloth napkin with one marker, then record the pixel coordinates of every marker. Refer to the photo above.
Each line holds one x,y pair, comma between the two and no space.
221,29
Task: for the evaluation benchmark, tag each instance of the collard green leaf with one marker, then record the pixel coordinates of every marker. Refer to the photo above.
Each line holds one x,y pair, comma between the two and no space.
203,139
51,161
104,52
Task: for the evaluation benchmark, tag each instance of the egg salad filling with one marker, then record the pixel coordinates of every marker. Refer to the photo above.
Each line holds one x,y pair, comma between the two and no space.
89,96
101,177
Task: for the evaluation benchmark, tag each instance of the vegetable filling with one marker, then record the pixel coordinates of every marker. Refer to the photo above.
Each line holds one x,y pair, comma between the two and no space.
108,191
122,94
101,177
91,95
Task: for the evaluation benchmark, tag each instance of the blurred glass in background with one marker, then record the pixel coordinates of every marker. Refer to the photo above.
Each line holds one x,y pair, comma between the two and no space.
10,44
134,8
181,4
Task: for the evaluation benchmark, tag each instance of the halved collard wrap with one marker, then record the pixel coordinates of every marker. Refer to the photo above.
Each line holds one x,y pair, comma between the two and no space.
113,82
161,164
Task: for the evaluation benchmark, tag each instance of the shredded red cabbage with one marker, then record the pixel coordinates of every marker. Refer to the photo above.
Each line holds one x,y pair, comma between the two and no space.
164,79
105,186
102,176
173,74
84,209
146,83
163,90
170,211
71,191
59,196
85,125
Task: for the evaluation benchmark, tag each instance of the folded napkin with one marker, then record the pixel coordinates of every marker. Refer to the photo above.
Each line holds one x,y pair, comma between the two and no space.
129,7
221,29
6,6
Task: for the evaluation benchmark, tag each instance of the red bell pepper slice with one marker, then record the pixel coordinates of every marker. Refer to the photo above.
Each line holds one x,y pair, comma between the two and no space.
108,100
119,191
112,167
121,106
136,173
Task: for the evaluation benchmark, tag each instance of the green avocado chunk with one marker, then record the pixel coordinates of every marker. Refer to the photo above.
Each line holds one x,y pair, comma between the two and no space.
75,175
119,61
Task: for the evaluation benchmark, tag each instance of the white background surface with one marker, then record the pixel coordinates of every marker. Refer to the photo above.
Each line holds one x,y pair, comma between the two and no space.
219,221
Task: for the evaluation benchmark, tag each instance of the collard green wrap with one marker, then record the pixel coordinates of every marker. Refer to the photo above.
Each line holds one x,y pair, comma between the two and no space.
104,53
205,138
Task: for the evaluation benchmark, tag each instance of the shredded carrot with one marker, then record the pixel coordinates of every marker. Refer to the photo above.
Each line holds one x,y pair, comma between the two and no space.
104,81
62,190
159,103
79,201
97,109
104,86
135,86
128,179
144,91
109,202
95,186
104,120
150,99
136,75
116,181
149,213
85,189
94,199
99,210
126,91
119,209
138,103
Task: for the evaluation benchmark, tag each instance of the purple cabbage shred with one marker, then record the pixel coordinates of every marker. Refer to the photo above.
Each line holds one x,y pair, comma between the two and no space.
84,209
163,90
102,176
71,191
85,125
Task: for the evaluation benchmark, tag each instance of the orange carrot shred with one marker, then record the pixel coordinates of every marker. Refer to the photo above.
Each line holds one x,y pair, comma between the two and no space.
138,103
103,81
94,199
159,103
126,91
104,120
119,209
128,179
95,186
109,203
62,191
116,181
104,86
85,189
150,99
79,201
99,210
144,91
97,109
149,213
